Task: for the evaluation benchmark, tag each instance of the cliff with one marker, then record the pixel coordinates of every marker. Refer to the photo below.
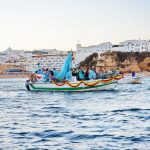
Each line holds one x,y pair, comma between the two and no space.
127,61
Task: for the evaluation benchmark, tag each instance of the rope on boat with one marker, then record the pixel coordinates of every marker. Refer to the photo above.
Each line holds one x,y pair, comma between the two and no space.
117,77
59,84
74,84
91,84
85,83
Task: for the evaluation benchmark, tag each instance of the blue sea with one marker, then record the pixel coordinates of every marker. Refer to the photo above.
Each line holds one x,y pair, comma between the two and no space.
106,120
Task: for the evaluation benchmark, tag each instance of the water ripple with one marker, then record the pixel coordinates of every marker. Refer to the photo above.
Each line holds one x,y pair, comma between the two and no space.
117,119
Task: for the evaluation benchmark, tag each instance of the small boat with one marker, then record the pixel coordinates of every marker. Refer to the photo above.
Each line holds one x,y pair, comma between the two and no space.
132,80
66,86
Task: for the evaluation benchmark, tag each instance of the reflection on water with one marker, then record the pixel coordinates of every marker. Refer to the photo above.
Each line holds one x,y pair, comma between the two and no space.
90,120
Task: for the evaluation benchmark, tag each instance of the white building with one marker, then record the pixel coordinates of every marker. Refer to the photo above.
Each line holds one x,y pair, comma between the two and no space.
83,52
12,56
133,46
148,43
49,59
126,46
31,60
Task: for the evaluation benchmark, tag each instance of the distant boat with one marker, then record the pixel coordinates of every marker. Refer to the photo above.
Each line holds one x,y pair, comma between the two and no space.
132,80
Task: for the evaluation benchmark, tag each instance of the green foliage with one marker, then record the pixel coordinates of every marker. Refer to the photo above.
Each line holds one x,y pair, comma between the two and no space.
139,56
122,56
90,60
119,57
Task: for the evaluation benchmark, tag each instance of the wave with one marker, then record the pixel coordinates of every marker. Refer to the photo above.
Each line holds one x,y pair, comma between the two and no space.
130,110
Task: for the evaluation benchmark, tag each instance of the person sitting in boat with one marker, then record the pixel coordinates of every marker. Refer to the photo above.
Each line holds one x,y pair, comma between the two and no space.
122,74
39,74
92,74
81,74
52,78
100,72
46,75
69,75
86,75
115,71
33,78
55,72
39,71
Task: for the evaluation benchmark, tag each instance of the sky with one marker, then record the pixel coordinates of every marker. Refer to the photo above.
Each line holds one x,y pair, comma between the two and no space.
61,24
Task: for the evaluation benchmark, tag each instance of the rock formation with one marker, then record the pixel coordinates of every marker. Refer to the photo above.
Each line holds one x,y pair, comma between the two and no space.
126,61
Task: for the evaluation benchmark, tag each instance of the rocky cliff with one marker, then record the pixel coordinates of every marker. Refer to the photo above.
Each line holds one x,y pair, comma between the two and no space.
127,61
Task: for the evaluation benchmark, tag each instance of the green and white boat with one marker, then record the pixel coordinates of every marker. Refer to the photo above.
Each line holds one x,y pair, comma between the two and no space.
94,85
89,85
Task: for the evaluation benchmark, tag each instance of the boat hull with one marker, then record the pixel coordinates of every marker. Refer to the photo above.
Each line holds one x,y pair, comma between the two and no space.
66,88
131,80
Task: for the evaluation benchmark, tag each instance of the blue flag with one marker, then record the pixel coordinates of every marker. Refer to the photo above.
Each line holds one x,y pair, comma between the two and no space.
65,68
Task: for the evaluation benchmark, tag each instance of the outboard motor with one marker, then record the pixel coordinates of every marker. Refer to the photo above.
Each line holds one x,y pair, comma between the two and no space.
27,85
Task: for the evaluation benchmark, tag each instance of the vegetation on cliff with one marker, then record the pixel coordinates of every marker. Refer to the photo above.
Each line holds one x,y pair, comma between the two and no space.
139,57
90,60
119,59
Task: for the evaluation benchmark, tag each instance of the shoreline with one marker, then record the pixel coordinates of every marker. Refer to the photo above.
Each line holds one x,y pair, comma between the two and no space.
7,76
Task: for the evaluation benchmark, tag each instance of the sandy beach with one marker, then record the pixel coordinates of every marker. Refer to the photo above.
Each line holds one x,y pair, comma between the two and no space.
14,75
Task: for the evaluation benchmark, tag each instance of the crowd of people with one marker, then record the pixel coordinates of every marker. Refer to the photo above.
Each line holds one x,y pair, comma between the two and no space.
88,74
46,75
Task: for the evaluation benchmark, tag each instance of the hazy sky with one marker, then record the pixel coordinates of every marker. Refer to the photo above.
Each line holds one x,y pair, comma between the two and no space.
34,24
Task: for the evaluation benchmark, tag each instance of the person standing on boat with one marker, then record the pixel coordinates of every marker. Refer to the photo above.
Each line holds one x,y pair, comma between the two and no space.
52,78
92,74
74,75
81,74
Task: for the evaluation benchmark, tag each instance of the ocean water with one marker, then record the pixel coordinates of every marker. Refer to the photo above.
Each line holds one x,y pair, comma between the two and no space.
118,119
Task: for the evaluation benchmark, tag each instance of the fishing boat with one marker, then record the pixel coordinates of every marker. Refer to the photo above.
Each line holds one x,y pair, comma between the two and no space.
65,85
95,85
